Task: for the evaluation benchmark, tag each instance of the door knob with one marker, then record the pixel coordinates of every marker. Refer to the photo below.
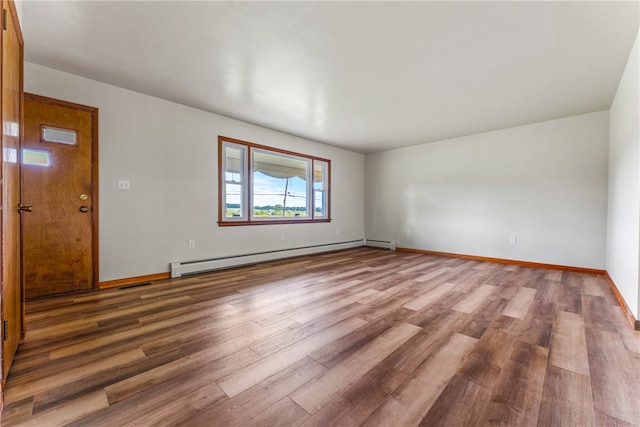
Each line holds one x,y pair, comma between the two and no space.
25,208
84,209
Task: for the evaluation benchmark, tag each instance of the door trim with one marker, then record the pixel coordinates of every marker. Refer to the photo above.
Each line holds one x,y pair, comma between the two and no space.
94,174
9,7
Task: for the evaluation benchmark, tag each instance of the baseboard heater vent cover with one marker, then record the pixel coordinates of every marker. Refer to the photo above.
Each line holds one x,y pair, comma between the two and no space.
184,268
391,245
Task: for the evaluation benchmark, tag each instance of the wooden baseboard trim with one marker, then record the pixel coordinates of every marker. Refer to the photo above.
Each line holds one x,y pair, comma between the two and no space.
133,280
635,324
506,261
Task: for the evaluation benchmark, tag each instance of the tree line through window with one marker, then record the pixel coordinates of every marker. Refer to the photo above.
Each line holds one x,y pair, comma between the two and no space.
264,185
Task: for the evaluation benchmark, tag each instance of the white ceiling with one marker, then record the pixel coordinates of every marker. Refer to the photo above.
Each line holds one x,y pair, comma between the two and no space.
367,76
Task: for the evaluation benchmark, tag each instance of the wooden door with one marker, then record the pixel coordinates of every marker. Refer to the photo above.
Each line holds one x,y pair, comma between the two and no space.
12,309
59,183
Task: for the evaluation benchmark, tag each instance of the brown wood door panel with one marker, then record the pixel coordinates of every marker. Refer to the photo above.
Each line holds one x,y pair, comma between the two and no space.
11,119
58,232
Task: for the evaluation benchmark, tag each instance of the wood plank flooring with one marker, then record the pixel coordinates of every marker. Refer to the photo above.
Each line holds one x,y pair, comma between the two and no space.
358,337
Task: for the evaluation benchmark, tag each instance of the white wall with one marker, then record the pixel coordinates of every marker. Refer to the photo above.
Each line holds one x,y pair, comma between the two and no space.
623,226
544,183
169,153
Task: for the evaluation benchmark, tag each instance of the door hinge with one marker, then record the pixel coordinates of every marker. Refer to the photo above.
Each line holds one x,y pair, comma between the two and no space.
4,19
5,329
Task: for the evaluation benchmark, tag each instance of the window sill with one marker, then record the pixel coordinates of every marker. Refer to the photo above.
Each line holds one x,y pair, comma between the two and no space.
271,222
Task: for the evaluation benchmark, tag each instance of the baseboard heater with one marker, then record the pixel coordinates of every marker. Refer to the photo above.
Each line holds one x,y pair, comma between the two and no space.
185,268
385,244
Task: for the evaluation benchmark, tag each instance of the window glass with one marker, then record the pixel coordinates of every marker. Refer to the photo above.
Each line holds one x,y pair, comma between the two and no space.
234,172
320,188
279,185
60,136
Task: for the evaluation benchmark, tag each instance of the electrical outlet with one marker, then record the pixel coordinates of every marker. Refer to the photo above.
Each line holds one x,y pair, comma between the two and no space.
512,240
124,184
337,231
192,244
281,236
408,233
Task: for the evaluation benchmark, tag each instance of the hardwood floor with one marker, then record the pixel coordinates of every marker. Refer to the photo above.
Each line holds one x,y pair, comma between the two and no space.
358,337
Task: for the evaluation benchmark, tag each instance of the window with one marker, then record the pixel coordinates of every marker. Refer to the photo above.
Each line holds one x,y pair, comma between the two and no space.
60,136
262,185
